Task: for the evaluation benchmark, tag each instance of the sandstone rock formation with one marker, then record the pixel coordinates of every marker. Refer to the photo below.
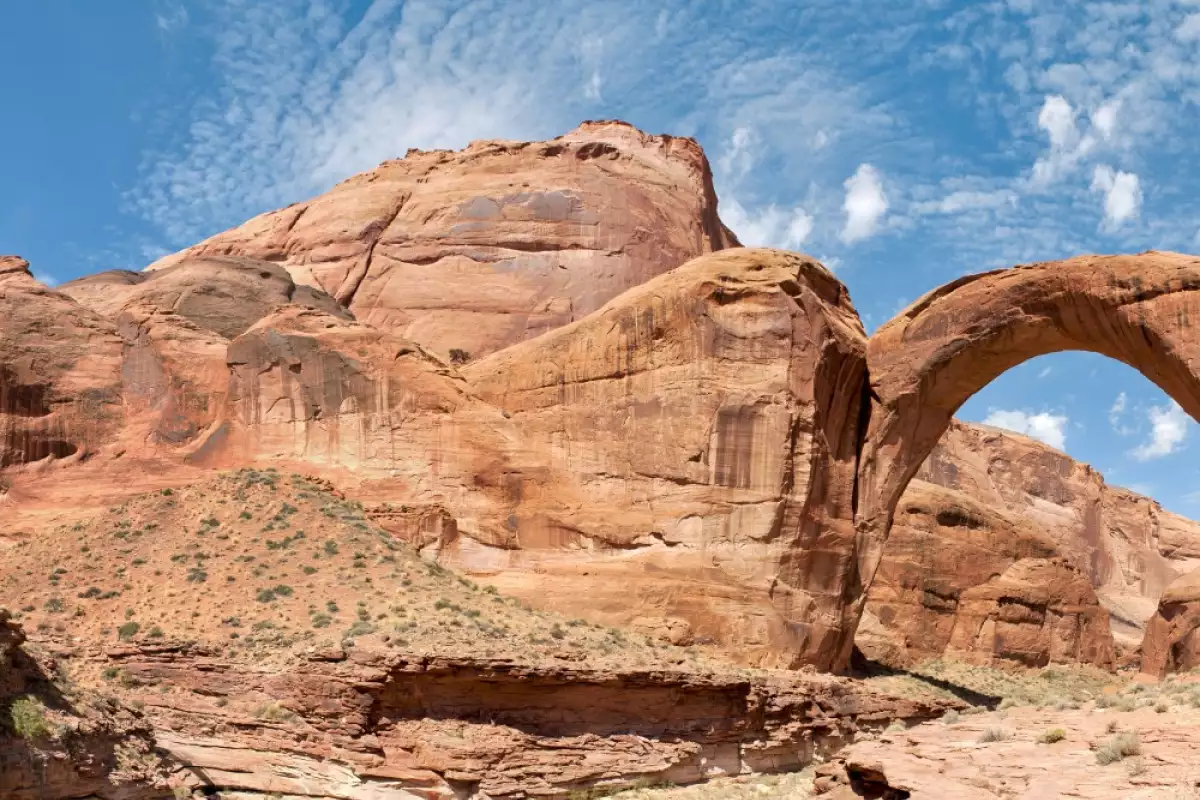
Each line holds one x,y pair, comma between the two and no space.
964,580
1127,545
174,327
60,385
372,725
474,250
1172,642
708,417
702,456
946,346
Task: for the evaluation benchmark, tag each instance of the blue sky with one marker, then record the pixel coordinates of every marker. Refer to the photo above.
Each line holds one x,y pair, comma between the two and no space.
903,143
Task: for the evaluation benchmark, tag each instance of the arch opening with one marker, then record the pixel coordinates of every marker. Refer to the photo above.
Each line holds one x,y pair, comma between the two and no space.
936,354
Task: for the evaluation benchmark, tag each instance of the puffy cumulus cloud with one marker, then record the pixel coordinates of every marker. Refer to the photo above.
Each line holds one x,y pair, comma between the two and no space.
768,227
1067,144
865,204
1057,119
1168,430
1043,426
1122,195
1104,118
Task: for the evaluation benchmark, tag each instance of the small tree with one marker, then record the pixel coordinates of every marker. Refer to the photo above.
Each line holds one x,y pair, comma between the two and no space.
459,357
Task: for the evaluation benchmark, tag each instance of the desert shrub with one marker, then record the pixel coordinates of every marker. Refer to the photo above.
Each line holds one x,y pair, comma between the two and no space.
1118,747
993,735
54,605
321,620
1053,735
359,628
27,716
273,712
128,630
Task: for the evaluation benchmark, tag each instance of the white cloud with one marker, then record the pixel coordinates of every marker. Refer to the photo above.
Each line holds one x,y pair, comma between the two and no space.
1189,29
1116,413
767,227
1045,371
1122,195
592,90
170,16
739,155
965,200
1104,118
1169,428
1043,426
1057,118
45,278
865,204
1067,145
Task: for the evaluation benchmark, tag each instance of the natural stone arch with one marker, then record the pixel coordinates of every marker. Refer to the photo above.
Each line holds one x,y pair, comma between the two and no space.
933,356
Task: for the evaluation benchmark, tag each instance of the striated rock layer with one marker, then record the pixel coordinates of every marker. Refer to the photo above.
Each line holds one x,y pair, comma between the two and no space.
66,745
1128,546
467,252
369,726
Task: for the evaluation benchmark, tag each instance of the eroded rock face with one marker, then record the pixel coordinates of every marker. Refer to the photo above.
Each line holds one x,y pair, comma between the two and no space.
175,326
60,381
709,418
474,250
383,417
1127,546
964,580
1172,642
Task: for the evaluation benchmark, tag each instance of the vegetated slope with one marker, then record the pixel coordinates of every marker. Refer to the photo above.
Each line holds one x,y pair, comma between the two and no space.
263,564
282,643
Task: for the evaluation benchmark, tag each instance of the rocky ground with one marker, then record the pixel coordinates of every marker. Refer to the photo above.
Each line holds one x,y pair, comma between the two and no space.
1060,733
